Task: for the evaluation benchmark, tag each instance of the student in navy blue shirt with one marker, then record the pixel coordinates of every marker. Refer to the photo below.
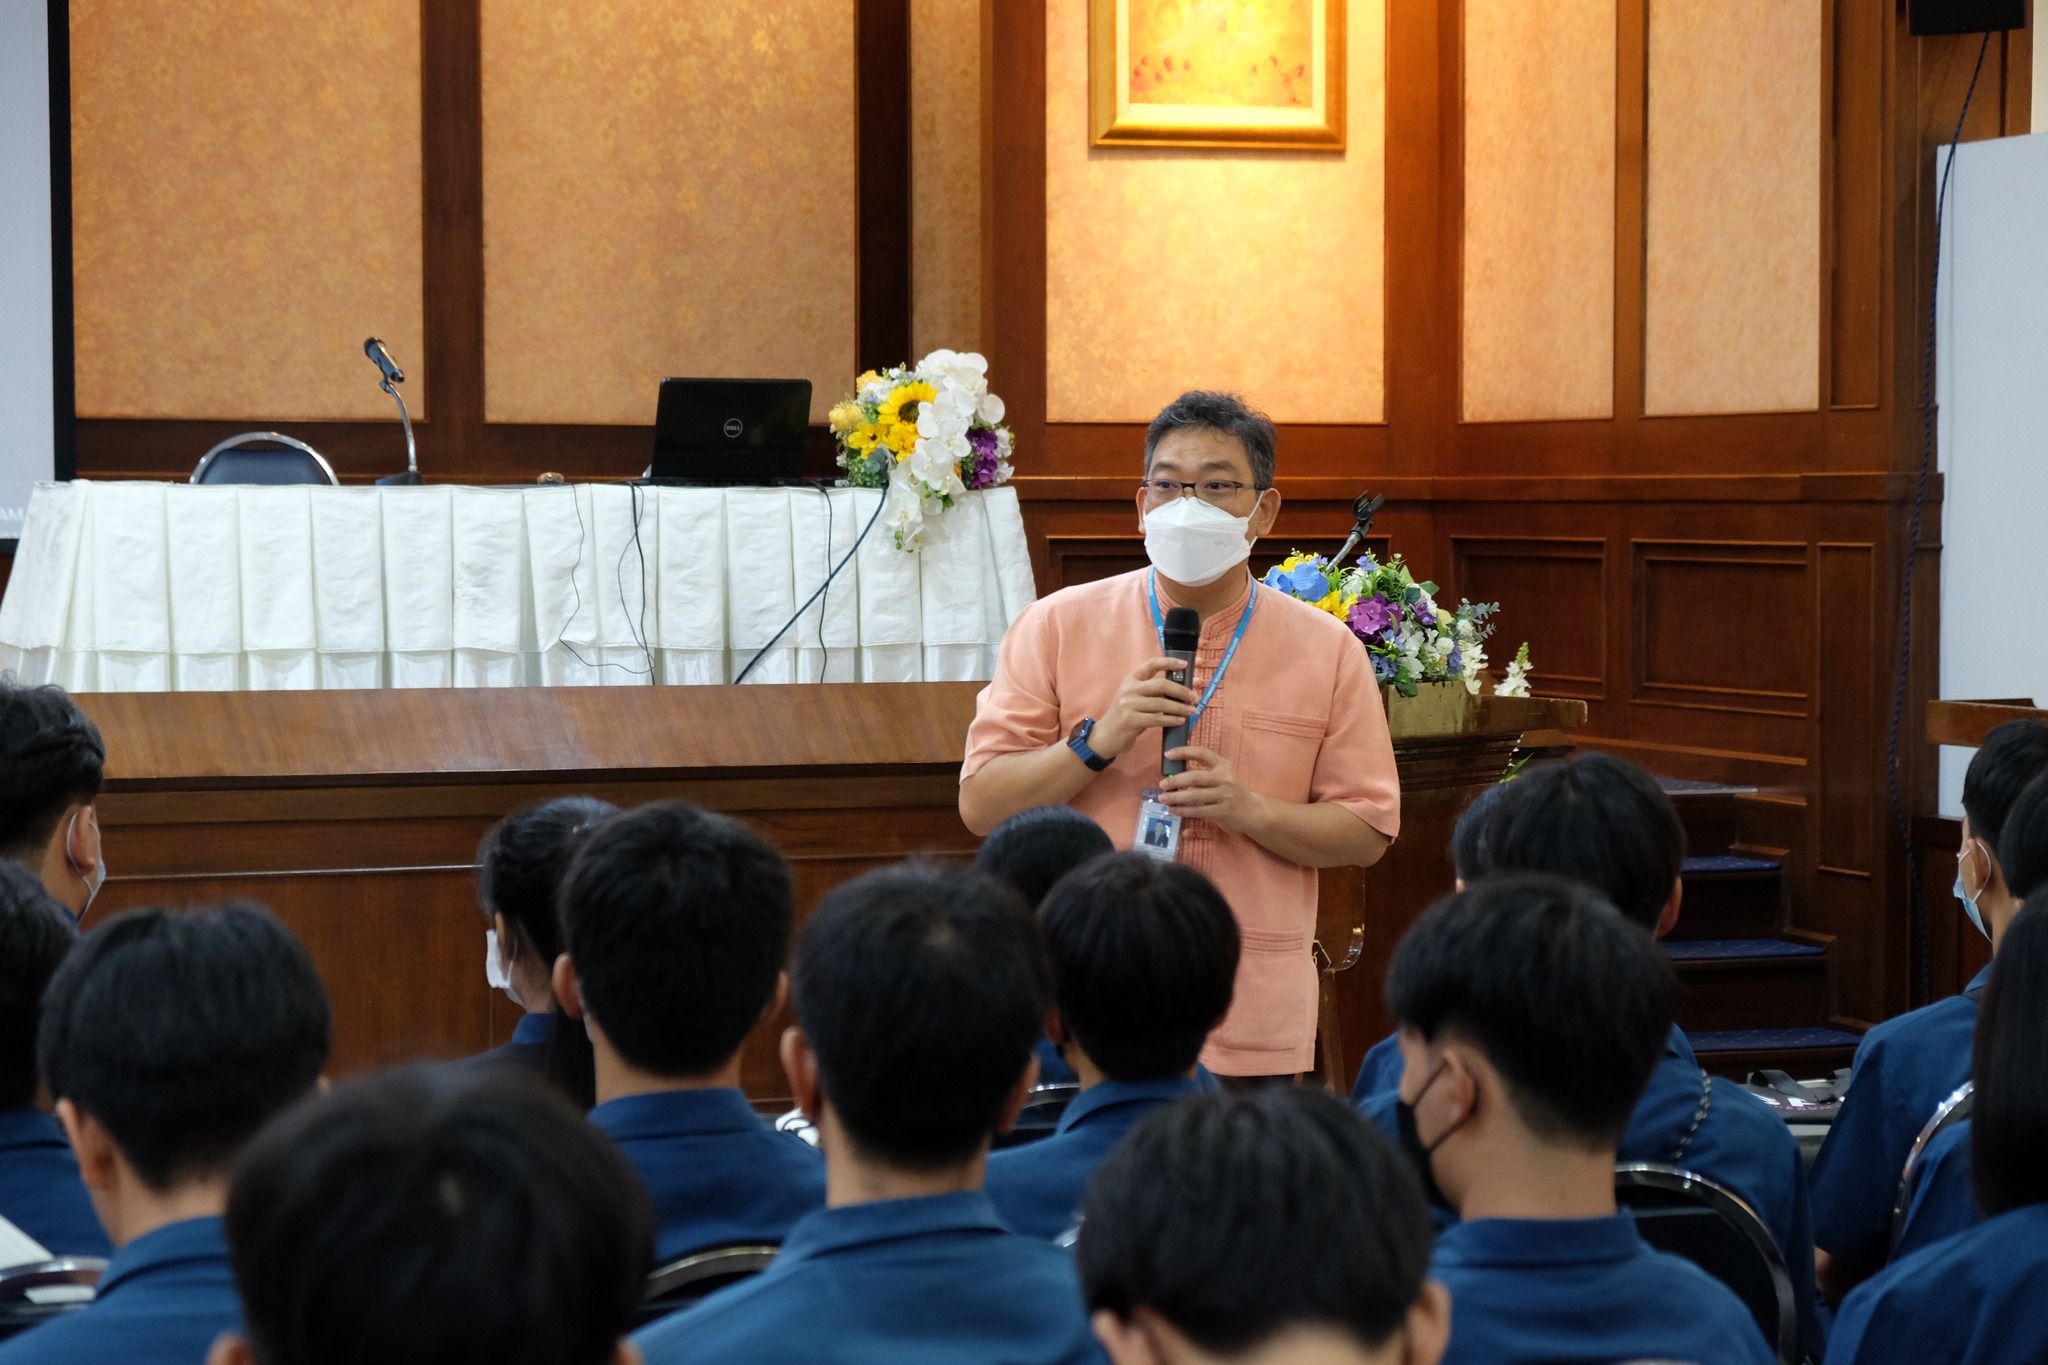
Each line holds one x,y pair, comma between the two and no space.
1605,823
1144,957
40,1191
54,760
677,923
168,1039
428,1216
1905,1067
1980,1297
919,993
1271,1226
1031,851
519,869
1530,1013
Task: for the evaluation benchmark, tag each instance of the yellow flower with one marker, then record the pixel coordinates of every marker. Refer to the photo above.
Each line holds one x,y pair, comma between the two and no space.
867,377
864,437
1336,604
844,417
915,391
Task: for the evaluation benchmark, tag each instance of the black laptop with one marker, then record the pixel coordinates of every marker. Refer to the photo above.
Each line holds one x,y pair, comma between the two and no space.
730,431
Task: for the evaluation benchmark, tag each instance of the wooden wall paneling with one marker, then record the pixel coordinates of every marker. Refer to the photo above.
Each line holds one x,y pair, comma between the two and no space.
1631,141
1425,205
1846,820
1016,225
1552,592
1854,162
882,190
1717,626
452,175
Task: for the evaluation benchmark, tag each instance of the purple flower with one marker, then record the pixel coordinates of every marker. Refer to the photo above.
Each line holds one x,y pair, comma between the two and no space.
1424,615
979,469
1382,667
1370,616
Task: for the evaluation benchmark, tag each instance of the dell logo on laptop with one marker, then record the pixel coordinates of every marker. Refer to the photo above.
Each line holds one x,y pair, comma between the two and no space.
733,427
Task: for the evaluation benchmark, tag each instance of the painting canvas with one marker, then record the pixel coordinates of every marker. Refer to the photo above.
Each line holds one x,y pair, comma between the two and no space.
1218,73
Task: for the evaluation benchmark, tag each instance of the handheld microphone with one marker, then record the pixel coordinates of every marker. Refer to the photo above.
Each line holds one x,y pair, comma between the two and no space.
1182,633
374,349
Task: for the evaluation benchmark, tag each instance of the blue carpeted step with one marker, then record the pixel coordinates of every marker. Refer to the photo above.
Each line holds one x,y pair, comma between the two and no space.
1727,863
1770,1039
1726,949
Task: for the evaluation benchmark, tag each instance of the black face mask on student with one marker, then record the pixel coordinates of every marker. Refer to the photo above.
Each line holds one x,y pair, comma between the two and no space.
1415,1149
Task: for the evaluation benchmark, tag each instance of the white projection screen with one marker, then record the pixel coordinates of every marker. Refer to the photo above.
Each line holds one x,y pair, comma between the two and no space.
30,363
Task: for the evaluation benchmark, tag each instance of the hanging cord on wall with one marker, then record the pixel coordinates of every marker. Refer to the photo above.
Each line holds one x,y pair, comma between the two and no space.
1916,906
762,653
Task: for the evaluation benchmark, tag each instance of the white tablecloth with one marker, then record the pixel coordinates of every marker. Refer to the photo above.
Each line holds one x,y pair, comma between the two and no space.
169,587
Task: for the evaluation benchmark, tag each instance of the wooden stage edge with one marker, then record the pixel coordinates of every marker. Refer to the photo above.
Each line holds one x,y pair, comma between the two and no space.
355,817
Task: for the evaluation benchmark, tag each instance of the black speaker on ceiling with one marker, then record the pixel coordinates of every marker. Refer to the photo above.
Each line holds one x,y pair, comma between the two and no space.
1930,17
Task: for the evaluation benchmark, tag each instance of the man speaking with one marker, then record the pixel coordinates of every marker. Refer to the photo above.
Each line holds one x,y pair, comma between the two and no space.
1288,766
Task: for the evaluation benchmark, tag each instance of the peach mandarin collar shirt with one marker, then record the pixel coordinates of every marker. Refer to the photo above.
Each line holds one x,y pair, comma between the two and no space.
1298,714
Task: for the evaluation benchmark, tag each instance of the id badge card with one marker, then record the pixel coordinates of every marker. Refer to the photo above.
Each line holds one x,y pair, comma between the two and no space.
1158,828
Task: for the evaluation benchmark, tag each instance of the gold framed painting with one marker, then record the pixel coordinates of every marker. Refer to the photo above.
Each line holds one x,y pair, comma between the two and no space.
1217,73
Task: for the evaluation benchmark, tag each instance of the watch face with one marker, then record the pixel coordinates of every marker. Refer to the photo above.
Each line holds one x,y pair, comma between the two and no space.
1080,731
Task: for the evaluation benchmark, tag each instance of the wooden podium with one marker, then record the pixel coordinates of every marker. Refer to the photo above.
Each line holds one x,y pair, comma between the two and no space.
355,816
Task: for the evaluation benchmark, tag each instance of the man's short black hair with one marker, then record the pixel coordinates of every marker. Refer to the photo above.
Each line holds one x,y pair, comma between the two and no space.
1570,1002
1595,818
1236,1217
1144,959
922,990
53,759
431,1215
1225,413
35,935
678,921
2009,1123
1468,837
2022,848
182,1032
1035,848
2011,756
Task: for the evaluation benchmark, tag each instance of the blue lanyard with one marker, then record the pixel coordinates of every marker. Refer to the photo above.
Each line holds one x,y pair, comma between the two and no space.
1159,624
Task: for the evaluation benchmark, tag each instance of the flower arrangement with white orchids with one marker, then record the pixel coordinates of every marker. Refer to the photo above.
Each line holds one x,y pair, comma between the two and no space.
1407,636
927,433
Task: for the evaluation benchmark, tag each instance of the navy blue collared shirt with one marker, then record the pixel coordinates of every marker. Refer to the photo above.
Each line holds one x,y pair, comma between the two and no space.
715,1173
531,1039
899,1282
1904,1069
164,1298
1978,1298
1037,1188
1584,1289
40,1191
1943,1202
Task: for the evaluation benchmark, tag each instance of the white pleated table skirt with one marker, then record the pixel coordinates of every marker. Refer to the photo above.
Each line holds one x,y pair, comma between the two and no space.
152,587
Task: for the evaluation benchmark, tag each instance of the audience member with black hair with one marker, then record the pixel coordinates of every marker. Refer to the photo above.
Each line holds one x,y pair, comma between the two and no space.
40,1191
1031,851
1605,823
1269,1226
52,759
676,923
919,992
1977,1298
1144,956
429,1217
1531,1015
168,1039
2023,842
1905,1067
520,866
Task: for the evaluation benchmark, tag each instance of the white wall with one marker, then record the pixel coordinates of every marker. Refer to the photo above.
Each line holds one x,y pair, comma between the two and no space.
1992,387
27,423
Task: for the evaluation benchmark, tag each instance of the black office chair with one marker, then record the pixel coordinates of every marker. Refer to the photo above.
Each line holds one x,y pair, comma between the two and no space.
1041,1114
1708,1224
263,457
32,1294
1949,1112
697,1276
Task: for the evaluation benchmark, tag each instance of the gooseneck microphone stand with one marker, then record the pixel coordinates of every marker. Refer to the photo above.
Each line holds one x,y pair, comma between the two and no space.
1362,509
393,376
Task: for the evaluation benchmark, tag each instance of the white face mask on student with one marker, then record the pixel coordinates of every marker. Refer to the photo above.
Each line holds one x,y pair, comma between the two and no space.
1194,543
1970,906
495,970
98,878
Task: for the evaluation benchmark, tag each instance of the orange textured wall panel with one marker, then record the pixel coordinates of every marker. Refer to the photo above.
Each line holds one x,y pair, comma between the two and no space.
668,190
1538,305
1732,250
1258,271
945,185
245,206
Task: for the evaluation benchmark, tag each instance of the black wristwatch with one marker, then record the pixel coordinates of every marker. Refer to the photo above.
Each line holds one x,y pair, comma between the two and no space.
1078,742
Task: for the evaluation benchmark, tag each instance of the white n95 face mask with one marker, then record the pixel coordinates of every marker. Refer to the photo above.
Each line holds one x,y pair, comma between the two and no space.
1194,543
494,966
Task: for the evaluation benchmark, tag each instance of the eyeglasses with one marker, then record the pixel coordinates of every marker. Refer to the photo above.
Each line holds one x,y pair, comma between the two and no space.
1208,490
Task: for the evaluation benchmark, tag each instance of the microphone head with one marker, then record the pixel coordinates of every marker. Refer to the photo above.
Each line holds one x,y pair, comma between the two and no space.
1183,630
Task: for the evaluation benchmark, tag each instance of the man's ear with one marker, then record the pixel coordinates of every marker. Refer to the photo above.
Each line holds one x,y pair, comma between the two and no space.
1020,1095
1124,1342
97,1158
1429,1325
231,1348
567,993
1055,1026
82,840
1266,513
628,1354
800,1065
1667,918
